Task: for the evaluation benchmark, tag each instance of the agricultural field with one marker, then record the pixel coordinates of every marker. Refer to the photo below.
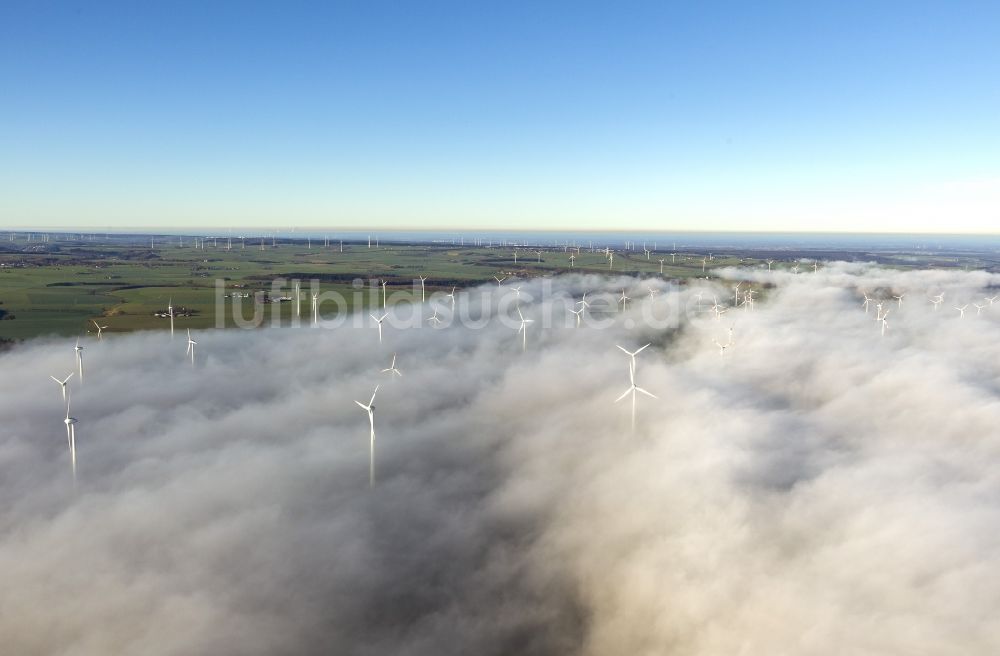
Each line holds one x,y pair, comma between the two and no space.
62,285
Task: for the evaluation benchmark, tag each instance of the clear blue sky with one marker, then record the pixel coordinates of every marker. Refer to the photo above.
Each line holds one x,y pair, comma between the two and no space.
696,115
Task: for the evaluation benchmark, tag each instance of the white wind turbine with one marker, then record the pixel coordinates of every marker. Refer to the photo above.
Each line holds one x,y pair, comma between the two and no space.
652,293
434,319
661,266
170,311
422,296
452,297
298,300
383,292
579,314
723,347
572,259
867,302
393,371
379,321
79,359
370,409
769,263
632,389
523,329
611,261
885,324
961,311
624,300
517,292
191,345
937,300
499,281
991,299
899,300
99,327
632,354
62,383
71,437
717,308
736,292
315,305
979,308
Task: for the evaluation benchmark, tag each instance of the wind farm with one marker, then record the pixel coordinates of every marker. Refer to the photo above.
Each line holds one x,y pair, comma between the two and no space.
550,329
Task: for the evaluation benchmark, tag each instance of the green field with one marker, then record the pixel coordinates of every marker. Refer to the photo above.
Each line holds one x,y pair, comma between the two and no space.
60,286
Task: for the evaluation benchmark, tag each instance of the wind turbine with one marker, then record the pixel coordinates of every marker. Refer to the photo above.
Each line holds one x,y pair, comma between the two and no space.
370,409
611,261
632,389
99,329
71,437
422,297
991,299
572,259
661,266
524,330
298,300
383,292
393,371
190,348
736,291
631,354
79,359
578,314
62,383
583,302
499,280
652,293
866,302
315,305
961,311
170,311
885,324
937,300
517,292
624,299
434,319
723,347
979,308
452,297
379,320
769,263
899,299
717,308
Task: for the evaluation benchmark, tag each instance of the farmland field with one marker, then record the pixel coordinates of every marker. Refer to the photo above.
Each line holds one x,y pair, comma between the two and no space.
60,286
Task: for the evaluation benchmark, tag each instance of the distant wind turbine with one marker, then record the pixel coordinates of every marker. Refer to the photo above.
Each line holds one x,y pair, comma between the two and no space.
71,436
79,359
379,321
99,327
62,383
191,345
632,354
370,409
632,389
523,330
393,371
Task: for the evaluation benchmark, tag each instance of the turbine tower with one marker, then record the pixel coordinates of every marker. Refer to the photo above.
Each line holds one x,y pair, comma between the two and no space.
370,409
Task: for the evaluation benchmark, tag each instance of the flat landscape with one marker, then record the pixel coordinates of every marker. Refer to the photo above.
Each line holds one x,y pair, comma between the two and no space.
61,284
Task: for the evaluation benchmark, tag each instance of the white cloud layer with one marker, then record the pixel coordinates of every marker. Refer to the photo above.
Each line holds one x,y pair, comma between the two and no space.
818,490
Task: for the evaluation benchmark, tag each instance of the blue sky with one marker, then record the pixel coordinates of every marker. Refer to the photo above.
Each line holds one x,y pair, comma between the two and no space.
695,116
